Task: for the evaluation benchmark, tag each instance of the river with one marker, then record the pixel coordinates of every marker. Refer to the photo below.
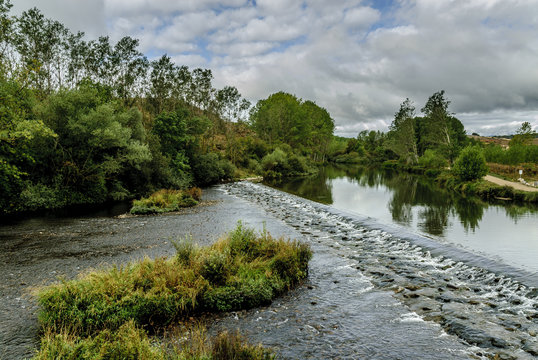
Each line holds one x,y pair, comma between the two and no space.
378,287
503,233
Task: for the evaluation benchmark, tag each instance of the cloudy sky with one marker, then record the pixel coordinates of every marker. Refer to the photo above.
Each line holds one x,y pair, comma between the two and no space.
358,59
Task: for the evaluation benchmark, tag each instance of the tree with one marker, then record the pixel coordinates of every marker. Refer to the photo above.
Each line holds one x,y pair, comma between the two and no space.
439,129
162,81
18,131
524,135
6,33
200,92
283,118
321,129
42,45
401,136
279,119
129,67
470,164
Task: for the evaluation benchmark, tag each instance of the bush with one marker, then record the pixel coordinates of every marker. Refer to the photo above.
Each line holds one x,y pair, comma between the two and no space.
280,164
227,347
129,342
165,201
432,160
209,169
470,164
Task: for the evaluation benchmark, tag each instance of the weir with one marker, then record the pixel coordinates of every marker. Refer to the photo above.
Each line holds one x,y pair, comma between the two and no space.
488,305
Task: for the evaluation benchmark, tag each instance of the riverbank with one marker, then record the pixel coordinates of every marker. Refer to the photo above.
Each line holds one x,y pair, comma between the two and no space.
486,189
337,313
512,184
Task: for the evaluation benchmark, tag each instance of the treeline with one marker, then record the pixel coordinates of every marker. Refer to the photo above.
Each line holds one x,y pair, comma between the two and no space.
86,121
412,139
430,142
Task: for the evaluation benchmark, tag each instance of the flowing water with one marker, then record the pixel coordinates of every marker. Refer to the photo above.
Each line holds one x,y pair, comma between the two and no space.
485,302
377,288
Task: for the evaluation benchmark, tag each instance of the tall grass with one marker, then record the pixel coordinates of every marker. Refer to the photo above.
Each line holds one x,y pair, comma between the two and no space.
240,271
166,200
131,342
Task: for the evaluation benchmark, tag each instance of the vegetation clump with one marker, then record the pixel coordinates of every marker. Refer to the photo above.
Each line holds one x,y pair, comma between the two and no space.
240,271
132,342
166,201
470,164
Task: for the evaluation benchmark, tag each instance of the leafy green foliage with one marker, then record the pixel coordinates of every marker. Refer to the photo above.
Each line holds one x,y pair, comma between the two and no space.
209,169
432,160
525,135
401,137
132,342
87,121
283,118
471,164
280,164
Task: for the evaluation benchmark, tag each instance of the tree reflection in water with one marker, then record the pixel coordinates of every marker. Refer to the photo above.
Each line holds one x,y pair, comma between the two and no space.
411,196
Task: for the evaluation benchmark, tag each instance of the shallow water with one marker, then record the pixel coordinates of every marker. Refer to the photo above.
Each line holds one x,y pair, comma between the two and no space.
371,293
491,313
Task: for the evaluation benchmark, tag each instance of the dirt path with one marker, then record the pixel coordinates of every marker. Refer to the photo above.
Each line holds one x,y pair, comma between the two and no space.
515,185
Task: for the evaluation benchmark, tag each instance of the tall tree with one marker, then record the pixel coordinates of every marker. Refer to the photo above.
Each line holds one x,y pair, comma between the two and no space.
401,136
442,131
6,32
201,91
321,129
129,67
162,81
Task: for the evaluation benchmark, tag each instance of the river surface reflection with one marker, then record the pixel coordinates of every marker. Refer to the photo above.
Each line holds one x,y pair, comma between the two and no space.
507,233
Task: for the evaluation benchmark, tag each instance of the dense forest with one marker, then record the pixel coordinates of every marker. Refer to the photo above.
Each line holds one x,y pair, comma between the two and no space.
86,121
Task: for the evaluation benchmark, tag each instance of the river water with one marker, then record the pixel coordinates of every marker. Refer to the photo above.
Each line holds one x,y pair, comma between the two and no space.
503,233
376,289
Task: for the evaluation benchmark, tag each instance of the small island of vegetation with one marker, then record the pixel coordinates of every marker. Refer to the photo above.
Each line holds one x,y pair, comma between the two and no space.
111,313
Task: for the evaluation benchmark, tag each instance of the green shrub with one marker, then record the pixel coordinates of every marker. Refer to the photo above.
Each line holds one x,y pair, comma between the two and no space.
209,169
275,164
470,164
131,342
228,347
254,166
185,251
214,268
165,201
432,160
280,164
228,169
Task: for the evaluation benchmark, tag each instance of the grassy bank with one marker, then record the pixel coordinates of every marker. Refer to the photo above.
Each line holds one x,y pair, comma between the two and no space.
481,188
99,312
486,190
166,201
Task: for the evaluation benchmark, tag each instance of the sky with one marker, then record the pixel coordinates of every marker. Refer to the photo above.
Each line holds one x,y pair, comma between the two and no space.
359,59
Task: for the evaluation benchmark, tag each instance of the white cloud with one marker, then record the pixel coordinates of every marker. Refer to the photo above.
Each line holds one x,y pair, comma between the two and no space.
357,61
